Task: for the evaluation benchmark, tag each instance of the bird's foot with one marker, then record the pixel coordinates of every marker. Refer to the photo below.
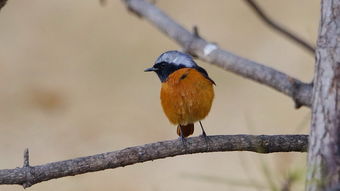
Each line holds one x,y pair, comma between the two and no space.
184,142
206,139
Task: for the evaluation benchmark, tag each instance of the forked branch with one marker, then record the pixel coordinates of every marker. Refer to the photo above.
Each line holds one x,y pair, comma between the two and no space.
194,44
211,53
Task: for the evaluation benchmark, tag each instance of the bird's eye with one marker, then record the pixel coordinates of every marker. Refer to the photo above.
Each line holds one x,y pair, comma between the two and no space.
161,65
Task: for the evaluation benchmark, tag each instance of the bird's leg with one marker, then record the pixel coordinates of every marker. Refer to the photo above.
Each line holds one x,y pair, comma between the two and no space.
204,135
182,137
203,132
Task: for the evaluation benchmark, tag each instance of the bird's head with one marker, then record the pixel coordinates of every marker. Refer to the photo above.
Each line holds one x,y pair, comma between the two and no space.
170,61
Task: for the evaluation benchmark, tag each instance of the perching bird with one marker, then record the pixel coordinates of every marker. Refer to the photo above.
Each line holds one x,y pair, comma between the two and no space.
187,90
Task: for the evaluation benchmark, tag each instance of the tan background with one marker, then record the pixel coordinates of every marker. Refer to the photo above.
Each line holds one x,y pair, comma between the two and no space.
72,84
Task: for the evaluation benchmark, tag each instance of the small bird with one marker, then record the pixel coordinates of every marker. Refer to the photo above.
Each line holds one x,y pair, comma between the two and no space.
187,90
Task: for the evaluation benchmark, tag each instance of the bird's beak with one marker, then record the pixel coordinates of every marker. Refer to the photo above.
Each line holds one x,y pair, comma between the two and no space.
152,69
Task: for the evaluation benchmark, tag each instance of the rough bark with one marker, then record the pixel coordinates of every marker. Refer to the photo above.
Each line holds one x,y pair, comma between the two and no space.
29,175
324,150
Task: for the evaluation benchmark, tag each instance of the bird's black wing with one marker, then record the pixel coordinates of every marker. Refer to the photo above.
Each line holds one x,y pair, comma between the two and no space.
205,73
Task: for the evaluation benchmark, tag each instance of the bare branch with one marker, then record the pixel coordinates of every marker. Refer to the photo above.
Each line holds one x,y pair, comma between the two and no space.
209,52
282,30
2,3
30,175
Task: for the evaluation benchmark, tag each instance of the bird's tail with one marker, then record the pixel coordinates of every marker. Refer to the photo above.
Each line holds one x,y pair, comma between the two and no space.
187,130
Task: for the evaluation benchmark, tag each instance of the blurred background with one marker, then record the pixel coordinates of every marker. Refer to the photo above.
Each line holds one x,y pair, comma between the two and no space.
72,84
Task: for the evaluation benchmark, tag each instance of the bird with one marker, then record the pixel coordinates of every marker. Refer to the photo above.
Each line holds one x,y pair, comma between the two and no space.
187,91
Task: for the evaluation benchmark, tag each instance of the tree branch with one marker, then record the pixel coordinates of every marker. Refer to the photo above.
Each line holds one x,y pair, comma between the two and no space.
2,3
209,52
30,175
274,25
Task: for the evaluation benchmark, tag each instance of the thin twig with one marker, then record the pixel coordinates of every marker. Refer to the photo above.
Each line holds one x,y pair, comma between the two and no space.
211,53
2,3
26,158
28,176
282,30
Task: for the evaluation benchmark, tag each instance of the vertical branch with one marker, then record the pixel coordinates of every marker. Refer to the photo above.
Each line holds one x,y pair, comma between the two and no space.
324,149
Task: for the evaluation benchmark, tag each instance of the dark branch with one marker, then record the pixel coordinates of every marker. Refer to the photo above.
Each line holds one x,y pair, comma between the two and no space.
266,19
2,3
209,52
30,175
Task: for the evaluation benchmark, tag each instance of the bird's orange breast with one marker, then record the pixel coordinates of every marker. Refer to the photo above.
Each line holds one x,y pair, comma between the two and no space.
186,96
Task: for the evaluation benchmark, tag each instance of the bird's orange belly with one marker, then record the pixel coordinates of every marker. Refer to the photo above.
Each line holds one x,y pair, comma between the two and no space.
186,96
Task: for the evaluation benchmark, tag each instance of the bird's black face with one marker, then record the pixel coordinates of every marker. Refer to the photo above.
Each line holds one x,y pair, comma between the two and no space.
169,62
163,69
